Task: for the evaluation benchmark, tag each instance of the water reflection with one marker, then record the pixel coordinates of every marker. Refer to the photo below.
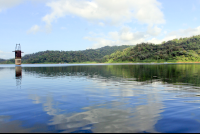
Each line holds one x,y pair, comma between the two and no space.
173,74
16,126
18,72
139,112
18,75
111,116
112,98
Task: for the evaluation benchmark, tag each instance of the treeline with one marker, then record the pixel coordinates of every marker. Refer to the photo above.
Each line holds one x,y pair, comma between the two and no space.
183,50
2,60
89,55
177,50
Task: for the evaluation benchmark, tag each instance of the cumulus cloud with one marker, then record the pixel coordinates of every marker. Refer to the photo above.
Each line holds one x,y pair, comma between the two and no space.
33,29
107,12
5,4
186,32
154,31
114,35
126,36
100,42
177,34
122,37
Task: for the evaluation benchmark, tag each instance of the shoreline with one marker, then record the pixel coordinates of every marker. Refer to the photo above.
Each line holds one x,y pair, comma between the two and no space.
109,63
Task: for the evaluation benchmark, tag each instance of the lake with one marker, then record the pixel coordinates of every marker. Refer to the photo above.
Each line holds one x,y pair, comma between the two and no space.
93,98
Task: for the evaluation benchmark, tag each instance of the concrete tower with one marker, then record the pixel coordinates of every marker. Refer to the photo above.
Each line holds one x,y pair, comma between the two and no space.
18,54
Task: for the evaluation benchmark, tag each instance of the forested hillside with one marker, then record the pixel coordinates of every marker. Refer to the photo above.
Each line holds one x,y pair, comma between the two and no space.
89,55
2,60
177,50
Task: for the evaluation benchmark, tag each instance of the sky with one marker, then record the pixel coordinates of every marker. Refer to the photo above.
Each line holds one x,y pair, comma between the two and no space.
70,25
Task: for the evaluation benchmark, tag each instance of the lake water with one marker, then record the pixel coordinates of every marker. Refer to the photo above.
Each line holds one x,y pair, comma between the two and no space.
100,98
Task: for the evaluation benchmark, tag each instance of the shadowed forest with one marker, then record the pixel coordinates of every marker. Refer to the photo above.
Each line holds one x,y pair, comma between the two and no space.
171,73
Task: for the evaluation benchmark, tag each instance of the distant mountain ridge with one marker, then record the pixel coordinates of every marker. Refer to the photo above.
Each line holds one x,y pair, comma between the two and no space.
89,55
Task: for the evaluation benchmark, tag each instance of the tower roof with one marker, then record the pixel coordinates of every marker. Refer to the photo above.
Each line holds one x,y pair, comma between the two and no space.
18,48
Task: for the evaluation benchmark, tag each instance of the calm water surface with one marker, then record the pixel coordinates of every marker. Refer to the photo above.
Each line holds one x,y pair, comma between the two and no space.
100,98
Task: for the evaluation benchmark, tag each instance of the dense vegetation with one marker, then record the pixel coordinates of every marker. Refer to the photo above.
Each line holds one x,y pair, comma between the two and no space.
177,50
2,60
89,55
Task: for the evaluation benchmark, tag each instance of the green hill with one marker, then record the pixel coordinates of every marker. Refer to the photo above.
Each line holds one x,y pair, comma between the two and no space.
89,55
2,60
177,50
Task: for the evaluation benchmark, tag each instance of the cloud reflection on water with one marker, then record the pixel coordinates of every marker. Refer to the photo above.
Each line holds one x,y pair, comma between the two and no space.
120,99
111,116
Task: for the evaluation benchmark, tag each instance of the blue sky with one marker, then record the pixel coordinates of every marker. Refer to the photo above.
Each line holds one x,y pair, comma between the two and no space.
40,25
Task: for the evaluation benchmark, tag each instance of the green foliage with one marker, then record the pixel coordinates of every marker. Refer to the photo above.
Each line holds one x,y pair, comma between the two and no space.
85,56
2,60
176,50
10,61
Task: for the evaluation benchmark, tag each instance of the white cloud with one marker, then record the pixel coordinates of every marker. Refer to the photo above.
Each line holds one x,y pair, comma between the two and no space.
158,41
101,23
125,36
100,42
34,29
5,4
107,11
186,32
154,31
178,34
114,35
